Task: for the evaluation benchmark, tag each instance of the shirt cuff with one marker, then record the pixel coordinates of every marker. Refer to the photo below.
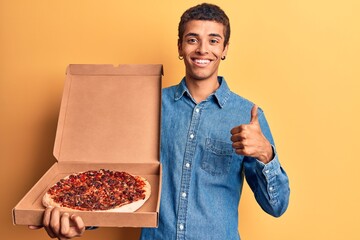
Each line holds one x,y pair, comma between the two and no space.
271,168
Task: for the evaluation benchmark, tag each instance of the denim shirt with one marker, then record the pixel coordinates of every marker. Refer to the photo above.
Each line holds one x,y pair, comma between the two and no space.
202,174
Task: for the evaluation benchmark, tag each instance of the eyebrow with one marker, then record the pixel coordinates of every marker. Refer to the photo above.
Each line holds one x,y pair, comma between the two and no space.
196,35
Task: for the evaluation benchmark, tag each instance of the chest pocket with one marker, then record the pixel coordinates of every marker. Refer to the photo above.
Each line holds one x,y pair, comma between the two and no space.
217,157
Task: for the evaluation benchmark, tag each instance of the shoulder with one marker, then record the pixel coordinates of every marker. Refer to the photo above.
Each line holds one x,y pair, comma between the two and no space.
169,90
239,105
232,100
168,94
237,100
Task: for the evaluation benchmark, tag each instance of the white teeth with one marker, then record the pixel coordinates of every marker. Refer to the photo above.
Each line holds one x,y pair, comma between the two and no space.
202,61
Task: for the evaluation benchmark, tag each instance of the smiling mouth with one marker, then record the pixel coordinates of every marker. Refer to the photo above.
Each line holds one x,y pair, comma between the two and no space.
201,62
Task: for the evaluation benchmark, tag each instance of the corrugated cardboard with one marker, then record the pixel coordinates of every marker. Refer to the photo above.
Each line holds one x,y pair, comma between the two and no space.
109,118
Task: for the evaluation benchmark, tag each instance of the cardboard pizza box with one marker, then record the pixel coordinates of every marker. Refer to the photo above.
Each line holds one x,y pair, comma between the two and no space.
109,118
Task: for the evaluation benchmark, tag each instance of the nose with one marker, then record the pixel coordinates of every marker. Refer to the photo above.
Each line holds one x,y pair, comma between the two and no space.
202,48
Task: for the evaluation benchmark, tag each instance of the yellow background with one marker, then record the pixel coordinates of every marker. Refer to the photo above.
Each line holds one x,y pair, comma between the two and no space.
298,60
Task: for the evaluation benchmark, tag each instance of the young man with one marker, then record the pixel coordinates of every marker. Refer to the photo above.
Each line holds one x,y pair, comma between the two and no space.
211,139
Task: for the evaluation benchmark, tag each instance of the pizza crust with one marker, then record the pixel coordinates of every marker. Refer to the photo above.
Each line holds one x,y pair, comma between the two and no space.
47,201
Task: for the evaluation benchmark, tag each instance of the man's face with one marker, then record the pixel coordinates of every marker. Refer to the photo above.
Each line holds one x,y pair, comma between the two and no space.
202,47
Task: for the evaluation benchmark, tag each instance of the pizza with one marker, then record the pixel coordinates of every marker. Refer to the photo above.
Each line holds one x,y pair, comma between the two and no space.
99,190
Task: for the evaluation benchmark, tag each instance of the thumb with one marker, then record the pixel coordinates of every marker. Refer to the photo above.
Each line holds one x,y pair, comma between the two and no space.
34,227
254,114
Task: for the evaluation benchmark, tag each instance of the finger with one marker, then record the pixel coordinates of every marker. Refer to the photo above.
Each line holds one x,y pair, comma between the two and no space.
234,138
241,129
46,217
241,152
235,130
238,145
65,224
33,227
238,137
254,114
245,151
46,222
55,221
79,223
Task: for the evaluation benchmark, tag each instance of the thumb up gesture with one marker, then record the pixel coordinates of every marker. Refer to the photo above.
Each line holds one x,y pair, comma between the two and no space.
248,139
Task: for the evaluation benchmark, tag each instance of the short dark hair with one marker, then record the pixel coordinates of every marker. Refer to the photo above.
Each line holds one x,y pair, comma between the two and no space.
208,12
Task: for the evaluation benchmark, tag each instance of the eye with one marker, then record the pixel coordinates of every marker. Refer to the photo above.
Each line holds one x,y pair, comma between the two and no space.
214,41
191,40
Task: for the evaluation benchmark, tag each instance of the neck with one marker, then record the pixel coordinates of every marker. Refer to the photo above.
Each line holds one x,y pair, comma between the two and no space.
201,89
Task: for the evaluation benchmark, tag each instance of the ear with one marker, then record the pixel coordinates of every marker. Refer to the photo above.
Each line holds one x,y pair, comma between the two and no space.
225,50
179,47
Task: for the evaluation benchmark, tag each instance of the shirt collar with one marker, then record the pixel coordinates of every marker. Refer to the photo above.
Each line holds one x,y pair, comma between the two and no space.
221,94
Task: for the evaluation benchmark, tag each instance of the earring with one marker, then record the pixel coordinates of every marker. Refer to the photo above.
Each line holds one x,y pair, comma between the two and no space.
223,58
181,57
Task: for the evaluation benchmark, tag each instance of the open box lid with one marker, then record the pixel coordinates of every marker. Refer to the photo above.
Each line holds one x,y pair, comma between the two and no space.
110,114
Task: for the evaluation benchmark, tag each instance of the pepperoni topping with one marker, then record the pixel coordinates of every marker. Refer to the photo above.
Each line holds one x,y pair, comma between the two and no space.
97,190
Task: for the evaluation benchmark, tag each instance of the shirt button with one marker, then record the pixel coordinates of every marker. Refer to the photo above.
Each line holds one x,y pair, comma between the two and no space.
183,194
197,110
271,188
181,226
192,136
266,171
187,165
